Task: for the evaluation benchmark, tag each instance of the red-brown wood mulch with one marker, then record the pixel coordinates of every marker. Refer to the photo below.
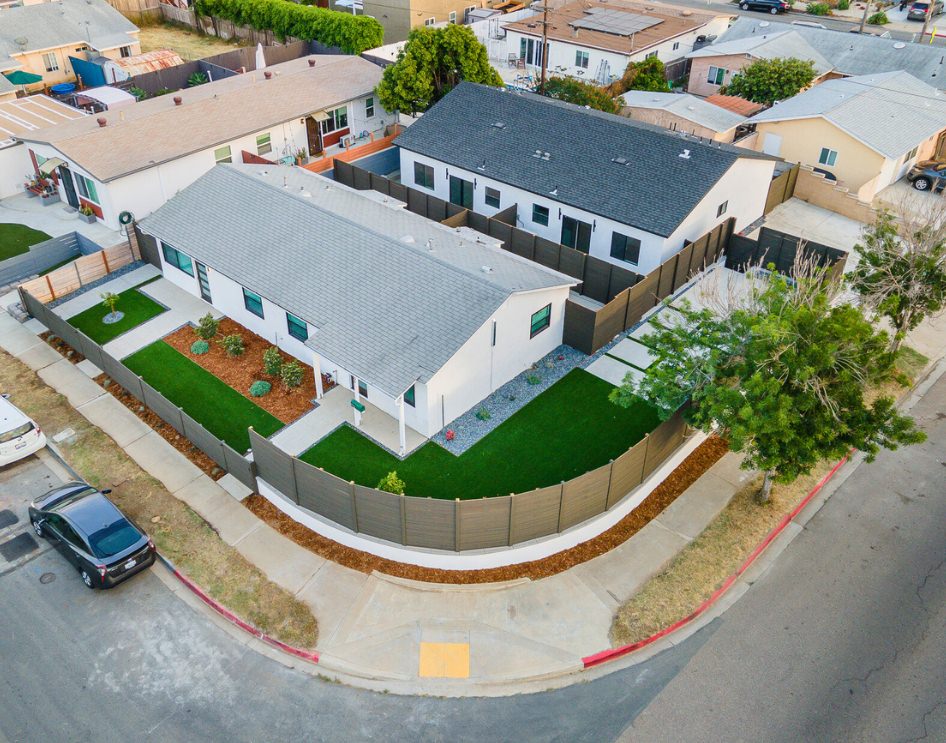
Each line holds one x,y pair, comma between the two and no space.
67,351
698,462
239,372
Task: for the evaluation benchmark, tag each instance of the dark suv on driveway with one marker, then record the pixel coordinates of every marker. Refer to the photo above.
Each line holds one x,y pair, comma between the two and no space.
772,6
103,544
927,175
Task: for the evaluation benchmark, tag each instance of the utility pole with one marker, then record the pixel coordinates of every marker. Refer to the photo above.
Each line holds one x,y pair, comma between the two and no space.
864,17
926,20
545,46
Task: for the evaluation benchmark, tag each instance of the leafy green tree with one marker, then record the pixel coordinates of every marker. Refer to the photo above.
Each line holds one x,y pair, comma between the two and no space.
431,64
781,376
769,80
648,74
581,93
901,269
110,301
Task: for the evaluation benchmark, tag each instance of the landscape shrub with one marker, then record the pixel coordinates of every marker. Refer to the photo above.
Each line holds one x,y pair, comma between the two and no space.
232,344
819,9
844,4
260,388
207,327
272,362
533,379
391,483
352,33
291,374
483,414
878,19
198,348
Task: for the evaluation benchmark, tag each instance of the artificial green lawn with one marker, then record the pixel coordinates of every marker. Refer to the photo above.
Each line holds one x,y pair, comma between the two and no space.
219,408
569,429
17,238
137,308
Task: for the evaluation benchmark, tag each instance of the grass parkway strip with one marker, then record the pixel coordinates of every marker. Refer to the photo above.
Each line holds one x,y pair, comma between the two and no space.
569,429
136,307
219,408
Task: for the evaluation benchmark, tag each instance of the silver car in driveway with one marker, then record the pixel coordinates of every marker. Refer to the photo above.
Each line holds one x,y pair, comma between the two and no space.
20,435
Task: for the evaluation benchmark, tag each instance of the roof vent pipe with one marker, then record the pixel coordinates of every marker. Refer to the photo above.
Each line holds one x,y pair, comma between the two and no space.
102,121
178,100
267,74
685,155
311,63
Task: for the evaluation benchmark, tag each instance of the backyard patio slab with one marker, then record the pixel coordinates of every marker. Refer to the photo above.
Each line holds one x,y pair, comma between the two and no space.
634,353
613,370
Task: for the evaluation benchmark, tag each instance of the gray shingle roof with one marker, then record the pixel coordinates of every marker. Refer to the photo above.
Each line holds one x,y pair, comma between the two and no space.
654,191
389,311
685,106
54,24
890,112
849,54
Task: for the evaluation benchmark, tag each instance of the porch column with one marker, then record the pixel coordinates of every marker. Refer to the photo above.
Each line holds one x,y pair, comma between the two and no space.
357,398
402,431
317,370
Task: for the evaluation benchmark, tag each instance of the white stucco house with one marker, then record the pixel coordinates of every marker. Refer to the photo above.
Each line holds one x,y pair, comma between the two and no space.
135,159
417,319
594,40
621,190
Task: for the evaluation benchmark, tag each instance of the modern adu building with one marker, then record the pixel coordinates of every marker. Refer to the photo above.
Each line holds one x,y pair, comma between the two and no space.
618,189
417,319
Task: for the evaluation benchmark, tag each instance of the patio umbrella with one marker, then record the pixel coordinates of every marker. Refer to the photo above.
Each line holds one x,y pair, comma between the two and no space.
260,58
19,77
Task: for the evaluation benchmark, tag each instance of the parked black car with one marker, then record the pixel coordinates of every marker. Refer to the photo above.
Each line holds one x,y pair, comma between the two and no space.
104,545
772,6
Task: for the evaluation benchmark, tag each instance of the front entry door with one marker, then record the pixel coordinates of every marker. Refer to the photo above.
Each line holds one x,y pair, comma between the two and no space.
314,134
204,282
69,186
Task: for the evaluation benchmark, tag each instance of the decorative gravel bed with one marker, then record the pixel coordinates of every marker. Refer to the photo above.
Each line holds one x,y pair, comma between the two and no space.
97,283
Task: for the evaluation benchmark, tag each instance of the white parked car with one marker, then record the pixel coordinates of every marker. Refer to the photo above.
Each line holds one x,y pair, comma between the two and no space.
20,436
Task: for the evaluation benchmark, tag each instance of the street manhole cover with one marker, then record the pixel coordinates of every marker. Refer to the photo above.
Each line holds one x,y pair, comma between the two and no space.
17,547
7,518
47,578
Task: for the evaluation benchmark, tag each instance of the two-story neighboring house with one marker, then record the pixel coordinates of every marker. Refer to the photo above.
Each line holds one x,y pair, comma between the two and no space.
40,37
134,159
621,190
595,40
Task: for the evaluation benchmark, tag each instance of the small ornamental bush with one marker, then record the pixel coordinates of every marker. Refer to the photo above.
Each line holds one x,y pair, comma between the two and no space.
291,374
109,301
844,4
819,9
483,414
391,483
533,379
198,348
878,19
260,388
207,327
232,344
272,362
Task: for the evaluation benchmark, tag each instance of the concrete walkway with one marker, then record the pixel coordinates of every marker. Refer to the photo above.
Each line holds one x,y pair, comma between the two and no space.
93,297
427,638
54,220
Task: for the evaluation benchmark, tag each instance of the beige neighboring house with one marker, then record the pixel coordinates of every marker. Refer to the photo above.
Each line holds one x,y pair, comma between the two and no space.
682,113
398,17
40,37
863,132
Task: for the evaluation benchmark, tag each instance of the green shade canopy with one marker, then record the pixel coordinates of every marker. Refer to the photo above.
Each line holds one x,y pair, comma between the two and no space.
18,77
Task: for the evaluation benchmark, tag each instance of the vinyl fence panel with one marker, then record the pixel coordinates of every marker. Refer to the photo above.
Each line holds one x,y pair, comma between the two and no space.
204,440
325,494
627,472
165,410
122,376
239,466
430,523
484,522
535,514
584,497
379,514
274,466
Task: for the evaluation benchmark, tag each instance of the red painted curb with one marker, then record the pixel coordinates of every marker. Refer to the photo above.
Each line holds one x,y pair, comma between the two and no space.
234,619
613,653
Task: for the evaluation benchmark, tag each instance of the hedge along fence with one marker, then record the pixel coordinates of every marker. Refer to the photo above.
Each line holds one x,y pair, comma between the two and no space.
219,451
459,525
353,34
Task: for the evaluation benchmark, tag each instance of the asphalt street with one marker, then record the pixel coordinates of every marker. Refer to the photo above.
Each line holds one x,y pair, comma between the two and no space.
842,640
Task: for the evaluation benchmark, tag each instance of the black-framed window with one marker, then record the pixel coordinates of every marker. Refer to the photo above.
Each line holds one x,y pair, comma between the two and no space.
493,197
297,327
362,388
625,248
541,320
581,59
337,119
461,192
253,302
540,214
177,259
576,234
423,175
722,209
410,396
369,108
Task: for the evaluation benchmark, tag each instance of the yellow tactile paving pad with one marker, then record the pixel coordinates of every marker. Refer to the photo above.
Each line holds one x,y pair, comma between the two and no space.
449,660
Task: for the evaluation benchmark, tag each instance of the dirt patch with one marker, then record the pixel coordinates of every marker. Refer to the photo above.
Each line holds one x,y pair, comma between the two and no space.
664,494
181,443
64,349
187,42
182,535
241,371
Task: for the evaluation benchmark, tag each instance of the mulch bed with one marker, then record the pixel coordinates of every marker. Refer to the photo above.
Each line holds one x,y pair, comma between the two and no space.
241,371
705,455
65,350
182,444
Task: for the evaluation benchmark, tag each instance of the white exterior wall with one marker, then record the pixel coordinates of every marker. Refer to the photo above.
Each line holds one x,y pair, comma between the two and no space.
15,167
145,191
476,370
745,186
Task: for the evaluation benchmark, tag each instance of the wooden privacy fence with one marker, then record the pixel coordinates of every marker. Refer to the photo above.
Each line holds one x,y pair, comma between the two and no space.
460,525
218,450
40,257
75,275
780,248
782,188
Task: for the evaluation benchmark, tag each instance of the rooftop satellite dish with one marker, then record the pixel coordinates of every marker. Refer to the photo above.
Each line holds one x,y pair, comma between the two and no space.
899,45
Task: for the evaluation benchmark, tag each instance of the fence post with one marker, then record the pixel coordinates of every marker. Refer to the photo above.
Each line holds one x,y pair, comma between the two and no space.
105,262
456,525
49,284
403,520
75,265
561,501
354,504
512,505
607,497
